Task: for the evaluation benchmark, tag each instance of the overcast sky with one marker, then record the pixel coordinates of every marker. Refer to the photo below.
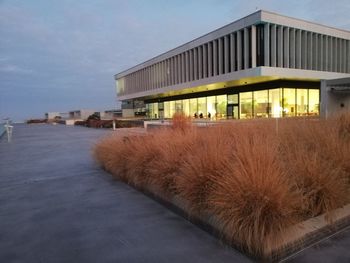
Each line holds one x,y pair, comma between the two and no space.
62,55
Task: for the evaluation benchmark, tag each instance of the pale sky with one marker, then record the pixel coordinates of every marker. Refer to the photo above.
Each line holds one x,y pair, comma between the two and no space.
61,55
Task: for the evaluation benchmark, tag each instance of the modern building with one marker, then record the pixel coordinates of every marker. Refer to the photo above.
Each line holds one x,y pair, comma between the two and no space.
263,65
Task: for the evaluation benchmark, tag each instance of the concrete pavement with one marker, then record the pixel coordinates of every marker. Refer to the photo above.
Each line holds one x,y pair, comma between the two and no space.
57,205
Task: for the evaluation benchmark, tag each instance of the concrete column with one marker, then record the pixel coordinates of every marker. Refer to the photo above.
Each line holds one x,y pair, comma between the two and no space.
187,67
215,57
320,52
200,62
331,54
141,86
334,54
309,50
292,47
266,45
253,46
315,52
246,48
210,59
344,55
195,64
325,48
286,47
341,55
298,49
173,69
161,74
303,49
273,46
149,78
169,72
280,46
205,60
335,57
191,64
226,54
348,57
166,75
239,50
182,68
220,56
176,67
233,52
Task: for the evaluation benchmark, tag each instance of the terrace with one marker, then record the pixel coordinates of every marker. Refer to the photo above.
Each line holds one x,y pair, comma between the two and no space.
59,206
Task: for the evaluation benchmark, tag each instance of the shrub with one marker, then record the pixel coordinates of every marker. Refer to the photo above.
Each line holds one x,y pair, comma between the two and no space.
250,178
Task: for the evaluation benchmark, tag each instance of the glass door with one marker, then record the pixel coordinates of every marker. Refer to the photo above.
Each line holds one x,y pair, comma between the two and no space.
233,111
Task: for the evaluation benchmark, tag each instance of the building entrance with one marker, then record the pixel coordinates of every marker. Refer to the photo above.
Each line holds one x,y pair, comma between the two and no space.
233,111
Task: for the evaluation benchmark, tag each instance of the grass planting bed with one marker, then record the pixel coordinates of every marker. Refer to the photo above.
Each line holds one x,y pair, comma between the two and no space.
267,187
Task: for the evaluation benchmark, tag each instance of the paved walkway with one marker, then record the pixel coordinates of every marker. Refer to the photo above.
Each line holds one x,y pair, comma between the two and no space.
56,205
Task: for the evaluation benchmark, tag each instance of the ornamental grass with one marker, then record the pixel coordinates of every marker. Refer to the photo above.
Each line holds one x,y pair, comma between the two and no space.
253,179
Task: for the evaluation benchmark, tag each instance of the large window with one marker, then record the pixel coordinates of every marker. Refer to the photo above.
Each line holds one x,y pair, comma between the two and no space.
167,109
261,102
202,107
288,102
302,102
178,106
211,106
221,104
314,101
273,103
232,99
275,106
246,109
186,107
172,108
193,107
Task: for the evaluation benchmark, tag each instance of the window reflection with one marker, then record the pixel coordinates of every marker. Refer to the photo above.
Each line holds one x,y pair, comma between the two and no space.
211,106
246,109
253,104
314,101
221,104
186,107
261,102
275,105
178,106
193,107
202,107
288,102
302,102
167,109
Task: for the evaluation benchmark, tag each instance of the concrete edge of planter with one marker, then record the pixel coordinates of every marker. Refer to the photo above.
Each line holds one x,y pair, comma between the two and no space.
293,240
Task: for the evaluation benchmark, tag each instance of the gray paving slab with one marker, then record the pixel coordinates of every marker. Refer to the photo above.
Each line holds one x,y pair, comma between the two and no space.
56,205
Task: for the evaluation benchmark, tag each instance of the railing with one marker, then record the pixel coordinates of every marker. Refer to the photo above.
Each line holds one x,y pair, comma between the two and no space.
2,129
6,128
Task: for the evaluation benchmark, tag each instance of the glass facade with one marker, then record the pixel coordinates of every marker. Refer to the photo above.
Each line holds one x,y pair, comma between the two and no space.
288,102
261,104
273,103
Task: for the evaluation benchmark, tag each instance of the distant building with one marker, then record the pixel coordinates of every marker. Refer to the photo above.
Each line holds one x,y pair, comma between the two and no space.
52,115
263,65
80,114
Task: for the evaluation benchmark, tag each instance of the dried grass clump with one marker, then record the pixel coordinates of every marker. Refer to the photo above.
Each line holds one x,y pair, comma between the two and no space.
251,179
181,122
316,158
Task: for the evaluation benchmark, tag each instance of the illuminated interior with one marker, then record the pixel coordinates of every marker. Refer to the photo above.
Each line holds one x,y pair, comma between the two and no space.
268,103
